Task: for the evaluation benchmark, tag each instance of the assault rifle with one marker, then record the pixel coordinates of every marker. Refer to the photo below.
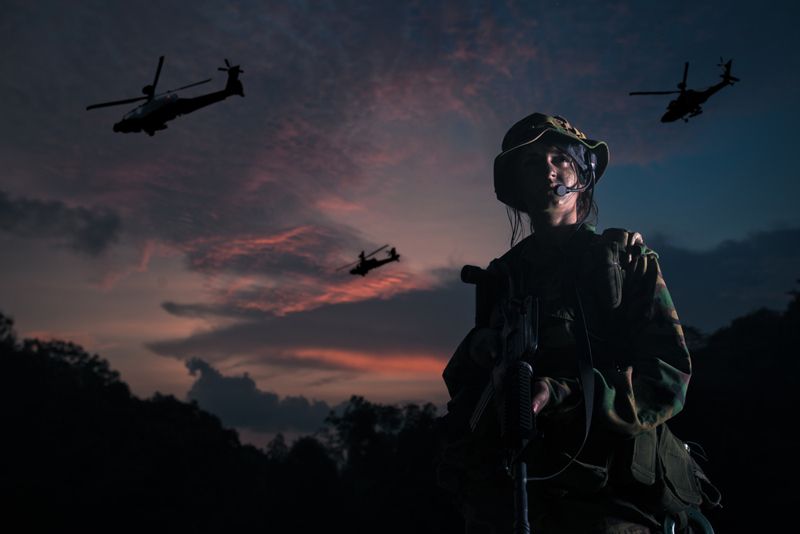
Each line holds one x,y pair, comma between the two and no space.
509,385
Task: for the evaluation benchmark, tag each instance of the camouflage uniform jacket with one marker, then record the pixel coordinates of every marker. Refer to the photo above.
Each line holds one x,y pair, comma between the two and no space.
641,368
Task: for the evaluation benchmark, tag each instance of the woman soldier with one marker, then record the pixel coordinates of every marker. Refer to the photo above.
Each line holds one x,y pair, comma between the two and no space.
610,365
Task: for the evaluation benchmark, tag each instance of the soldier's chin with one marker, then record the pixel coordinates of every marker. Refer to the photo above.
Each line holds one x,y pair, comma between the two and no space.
553,199
543,197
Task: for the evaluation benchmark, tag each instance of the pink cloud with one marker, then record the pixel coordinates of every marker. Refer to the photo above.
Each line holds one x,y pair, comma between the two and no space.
299,293
216,253
334,204
305,157
492,46
395,365
146,251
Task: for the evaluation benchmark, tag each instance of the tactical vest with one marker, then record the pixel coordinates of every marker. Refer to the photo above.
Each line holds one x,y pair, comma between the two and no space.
655,467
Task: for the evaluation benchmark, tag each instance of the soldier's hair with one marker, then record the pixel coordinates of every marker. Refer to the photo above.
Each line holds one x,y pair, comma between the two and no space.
587,211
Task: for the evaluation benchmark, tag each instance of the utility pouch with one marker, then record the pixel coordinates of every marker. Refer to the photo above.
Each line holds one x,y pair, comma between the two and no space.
678,472
673,480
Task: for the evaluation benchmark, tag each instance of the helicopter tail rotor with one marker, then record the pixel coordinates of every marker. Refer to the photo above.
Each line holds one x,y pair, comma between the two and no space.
234,86
231,68
726,76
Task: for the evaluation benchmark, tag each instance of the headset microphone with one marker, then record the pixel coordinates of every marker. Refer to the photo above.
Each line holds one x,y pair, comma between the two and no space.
562,190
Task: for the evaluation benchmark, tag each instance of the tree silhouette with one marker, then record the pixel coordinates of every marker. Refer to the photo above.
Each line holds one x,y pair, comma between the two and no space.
739,410
80,450
386,455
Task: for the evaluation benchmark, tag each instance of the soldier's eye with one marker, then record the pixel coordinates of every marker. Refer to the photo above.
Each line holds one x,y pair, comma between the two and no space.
532,159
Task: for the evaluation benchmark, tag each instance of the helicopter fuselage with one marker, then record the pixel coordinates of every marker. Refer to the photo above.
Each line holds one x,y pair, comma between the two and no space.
689,103
159,109
366,265
154,114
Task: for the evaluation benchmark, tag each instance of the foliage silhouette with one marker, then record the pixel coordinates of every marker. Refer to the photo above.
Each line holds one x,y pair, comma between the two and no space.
82,451
739,410
387,455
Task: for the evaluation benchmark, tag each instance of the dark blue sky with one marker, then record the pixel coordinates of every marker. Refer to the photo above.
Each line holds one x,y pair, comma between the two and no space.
365,124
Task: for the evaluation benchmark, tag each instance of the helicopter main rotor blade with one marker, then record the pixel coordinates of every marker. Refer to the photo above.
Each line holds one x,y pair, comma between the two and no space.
184,87
348,265
376,251
117,102
654,92
682,85
158,73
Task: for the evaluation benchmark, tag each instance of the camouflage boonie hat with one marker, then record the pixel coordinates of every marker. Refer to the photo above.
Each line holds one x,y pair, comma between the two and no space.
540,128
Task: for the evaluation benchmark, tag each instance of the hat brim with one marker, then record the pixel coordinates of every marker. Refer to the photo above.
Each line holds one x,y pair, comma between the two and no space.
505,186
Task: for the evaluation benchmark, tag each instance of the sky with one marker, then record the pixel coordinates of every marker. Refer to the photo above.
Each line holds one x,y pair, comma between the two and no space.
201,262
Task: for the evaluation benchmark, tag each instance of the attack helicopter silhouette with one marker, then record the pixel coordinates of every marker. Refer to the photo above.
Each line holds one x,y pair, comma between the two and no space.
152,116
688,103
366,263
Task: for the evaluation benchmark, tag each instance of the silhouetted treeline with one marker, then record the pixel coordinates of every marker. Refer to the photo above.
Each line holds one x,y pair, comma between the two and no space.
742,409
78,449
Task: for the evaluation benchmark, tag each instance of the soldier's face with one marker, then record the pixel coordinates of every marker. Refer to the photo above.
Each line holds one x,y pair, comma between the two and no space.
541,169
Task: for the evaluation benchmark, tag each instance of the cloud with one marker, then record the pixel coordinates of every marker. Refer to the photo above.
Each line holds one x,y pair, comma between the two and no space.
239,403
86,230
417,329
710,288
301,249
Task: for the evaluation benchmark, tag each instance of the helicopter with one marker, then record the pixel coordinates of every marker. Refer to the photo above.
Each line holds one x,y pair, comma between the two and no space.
366,262
152,116
687,105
